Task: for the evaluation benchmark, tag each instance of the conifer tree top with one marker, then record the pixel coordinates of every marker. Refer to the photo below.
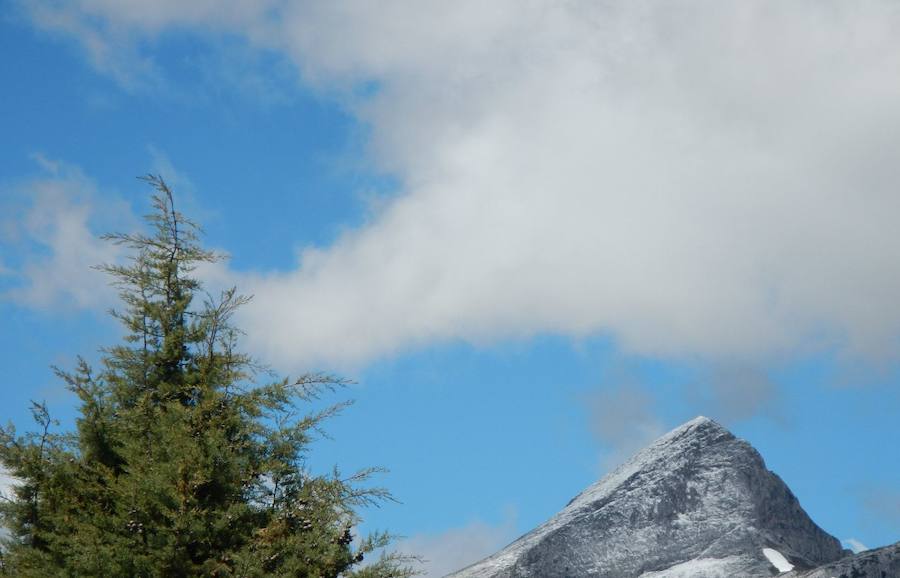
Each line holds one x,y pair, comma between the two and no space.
184,461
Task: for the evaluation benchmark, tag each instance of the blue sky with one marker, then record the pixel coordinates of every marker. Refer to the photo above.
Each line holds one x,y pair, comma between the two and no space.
537,236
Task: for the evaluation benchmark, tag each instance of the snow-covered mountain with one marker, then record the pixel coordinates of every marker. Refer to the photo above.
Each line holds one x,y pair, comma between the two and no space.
697,503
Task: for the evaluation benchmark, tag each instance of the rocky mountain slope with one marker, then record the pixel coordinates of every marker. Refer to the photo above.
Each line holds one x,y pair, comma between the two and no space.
697,503
878,563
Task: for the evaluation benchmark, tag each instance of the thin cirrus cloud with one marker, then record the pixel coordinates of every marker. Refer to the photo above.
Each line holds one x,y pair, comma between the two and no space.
713,179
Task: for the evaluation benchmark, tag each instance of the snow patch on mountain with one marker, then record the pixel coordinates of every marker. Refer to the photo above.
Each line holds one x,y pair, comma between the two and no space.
707,567
778,560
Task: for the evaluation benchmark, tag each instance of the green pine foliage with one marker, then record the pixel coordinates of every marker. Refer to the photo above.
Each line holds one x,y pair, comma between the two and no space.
182,463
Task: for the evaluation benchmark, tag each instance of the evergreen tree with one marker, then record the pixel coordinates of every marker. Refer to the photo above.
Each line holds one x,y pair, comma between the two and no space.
182,464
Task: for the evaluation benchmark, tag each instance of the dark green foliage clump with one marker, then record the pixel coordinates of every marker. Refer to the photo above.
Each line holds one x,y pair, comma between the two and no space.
181,464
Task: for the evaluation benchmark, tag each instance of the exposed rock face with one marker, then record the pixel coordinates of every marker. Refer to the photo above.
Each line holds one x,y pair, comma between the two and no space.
698,503
880,563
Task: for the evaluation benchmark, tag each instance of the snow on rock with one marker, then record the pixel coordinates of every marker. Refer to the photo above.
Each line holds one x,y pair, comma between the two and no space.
707,567
778,560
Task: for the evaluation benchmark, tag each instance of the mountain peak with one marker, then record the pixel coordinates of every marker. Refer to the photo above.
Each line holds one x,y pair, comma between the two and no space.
708,430
687,439
697,498
700,425
700,420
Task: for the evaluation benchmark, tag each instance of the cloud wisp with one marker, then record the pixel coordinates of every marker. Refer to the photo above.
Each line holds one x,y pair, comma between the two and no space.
624,419
456,548
855,545
50,235
696,179
734,392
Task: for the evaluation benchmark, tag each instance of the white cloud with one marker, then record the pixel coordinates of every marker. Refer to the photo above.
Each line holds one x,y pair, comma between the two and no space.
457,548
48,231
7,484
855,545
713,179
